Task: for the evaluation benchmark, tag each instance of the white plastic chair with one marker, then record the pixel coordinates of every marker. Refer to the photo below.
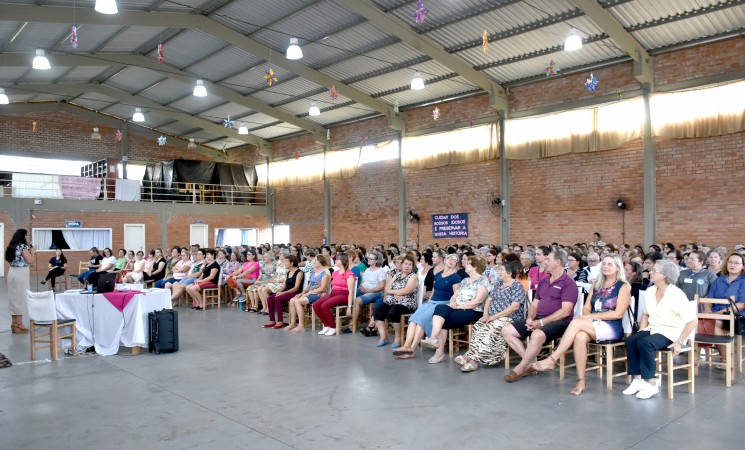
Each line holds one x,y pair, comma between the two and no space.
42,313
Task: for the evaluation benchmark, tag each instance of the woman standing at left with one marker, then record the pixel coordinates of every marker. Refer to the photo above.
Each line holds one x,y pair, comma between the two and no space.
19,254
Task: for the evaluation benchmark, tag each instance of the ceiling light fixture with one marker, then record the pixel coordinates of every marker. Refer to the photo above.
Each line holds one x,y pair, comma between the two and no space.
314,109
106,6
192,145
3,98
294,51
96,136
573,41
138,116
199,89
417,83
40,61
242,129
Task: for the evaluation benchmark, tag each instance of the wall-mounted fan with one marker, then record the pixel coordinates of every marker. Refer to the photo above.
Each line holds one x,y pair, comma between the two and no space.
495,202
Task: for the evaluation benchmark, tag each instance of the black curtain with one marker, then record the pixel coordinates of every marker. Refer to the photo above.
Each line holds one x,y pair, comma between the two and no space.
198,172
168,190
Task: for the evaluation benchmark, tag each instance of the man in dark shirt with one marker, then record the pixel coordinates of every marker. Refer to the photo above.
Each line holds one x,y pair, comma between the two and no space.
548,315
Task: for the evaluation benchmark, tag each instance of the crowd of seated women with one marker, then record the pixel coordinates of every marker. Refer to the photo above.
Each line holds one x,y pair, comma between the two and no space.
479,285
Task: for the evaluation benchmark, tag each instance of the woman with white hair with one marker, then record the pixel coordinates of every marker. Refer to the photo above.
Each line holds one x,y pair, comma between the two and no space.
602,319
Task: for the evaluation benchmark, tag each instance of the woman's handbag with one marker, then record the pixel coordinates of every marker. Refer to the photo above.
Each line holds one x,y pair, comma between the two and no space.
739,318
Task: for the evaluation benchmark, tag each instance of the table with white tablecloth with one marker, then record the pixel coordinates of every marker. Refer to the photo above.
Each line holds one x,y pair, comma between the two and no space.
107,324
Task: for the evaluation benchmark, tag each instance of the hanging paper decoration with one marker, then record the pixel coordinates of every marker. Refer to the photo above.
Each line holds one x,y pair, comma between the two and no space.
269,77
160,53
364,139
297,155
395,106
328,134
436,113
162,141
258,153
420,14
228,123
470,121
485,41
34,126
551,69
333,93
118,136
619,93
74,37
592,83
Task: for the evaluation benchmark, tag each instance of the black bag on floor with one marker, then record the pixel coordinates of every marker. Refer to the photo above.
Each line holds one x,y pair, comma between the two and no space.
163,331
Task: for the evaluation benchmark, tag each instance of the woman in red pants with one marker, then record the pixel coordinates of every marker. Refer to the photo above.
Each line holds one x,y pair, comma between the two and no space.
293,285
342,291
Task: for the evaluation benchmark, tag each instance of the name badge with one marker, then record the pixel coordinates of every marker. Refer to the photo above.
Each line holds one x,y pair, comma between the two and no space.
688,280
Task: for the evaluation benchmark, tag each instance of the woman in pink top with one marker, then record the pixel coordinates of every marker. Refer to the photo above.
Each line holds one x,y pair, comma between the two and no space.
246,275
342,291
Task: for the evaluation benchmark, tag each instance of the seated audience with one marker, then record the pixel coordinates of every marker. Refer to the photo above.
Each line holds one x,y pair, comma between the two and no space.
694,279
93,265
548,315
538,272
342,290
57,266
158,268
107,265
273,284
730,284
371,286
505,304
667,322
267,272
318,285
179,287
400,298
714,262
574,269
602,319
122,260
179,270
293,285
466,307
207,280
244,276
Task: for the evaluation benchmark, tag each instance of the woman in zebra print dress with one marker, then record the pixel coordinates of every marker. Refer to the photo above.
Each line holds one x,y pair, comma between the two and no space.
506,303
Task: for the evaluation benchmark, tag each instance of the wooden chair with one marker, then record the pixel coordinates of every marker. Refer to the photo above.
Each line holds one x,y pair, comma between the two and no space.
213,296
458,338
42,313
670,367
72,279
339,318
578,311
728,340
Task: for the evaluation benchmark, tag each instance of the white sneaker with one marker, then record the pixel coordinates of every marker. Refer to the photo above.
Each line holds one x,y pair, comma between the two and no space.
648,391
330,332
635,386
325,329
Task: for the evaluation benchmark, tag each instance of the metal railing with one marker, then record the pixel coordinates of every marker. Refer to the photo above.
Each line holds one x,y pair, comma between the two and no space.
83,188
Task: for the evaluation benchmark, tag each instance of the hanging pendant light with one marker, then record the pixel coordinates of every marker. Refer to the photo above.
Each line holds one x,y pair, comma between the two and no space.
138,116
314,109
242,129
417,83
106,6
191,145
573,41
294,51
40,61
199,89
3,98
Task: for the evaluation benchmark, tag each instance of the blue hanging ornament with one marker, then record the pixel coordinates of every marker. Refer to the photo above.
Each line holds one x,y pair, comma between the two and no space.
592,83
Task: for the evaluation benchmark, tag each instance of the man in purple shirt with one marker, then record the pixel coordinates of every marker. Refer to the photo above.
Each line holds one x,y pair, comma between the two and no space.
548,315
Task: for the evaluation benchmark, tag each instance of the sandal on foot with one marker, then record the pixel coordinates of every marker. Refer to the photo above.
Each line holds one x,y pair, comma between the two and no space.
535,367
460,360
436,359
470,366
402,351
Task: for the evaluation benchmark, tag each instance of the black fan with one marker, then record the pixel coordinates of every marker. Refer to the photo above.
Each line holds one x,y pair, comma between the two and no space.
494,202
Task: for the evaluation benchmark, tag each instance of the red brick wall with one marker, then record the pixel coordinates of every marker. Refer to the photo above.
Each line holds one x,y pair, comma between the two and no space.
179,226
697,62
699,190
302,210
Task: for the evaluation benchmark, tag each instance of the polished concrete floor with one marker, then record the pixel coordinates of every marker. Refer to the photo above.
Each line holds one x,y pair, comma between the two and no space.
236,385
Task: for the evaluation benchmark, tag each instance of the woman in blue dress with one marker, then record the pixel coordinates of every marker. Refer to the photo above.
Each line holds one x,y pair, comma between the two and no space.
420,323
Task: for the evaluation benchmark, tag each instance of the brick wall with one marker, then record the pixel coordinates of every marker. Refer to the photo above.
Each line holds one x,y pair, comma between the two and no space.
179,226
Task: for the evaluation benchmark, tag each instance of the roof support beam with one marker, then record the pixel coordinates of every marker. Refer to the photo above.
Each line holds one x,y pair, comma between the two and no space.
605,20
367,9
118,59
183,20
118,94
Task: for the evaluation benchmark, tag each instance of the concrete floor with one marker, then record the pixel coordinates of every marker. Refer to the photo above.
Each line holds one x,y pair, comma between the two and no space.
234,384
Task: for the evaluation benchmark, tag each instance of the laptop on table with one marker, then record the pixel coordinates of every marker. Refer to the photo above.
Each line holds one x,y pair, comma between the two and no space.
106,283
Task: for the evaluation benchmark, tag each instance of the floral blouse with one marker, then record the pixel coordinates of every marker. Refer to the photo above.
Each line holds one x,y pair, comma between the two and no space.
468,290
18,260
399,282
502,299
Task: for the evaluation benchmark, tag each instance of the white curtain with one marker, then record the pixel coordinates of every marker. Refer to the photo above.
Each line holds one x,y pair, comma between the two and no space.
42,239
85,239
248,237
36,186
220,237
462,146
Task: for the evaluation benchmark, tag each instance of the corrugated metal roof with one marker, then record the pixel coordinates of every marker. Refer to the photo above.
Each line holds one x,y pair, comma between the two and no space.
437,90
275,131
248,16
220,113
13,73
8,29
134,79
193,105
692,28
177,128
224,64
45,75
378,60
168,91
38,35
131,39
188,47
93,100
83,74
429,70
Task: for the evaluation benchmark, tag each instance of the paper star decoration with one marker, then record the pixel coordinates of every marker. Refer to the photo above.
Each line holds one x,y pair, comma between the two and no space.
74,37
162,141
160,53
364,139
436,113
333,93
297,155
118,136
485,41
395,106
420,14
551,69
269,77
592,83
228,123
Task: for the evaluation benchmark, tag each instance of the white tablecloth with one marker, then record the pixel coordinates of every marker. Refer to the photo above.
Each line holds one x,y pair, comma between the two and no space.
101,324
